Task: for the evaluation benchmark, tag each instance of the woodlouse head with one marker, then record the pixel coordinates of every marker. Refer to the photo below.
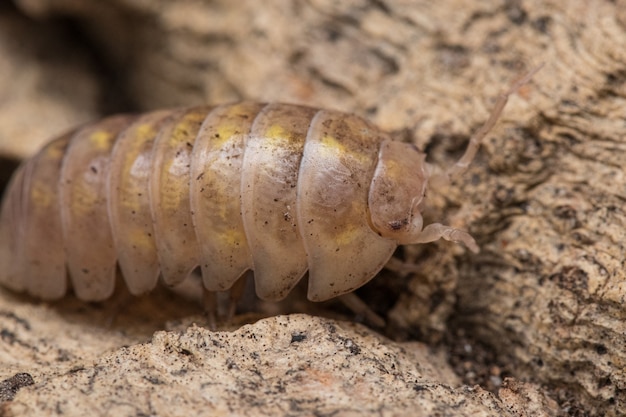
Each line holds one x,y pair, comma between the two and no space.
401,179
397,191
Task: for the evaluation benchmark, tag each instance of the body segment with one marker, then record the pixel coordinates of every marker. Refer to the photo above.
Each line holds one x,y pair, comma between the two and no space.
339,160
269,198
87,235
215,194
129,209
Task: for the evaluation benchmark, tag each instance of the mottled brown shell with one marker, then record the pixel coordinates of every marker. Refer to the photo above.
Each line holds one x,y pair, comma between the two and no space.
273,188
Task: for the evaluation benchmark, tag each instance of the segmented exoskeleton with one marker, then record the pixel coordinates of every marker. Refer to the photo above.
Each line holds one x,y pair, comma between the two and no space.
274,188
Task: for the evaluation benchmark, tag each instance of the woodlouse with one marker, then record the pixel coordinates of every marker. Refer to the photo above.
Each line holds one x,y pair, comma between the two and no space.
274,188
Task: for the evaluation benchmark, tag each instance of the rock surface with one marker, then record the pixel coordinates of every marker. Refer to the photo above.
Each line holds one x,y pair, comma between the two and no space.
38,73
284,365
544,199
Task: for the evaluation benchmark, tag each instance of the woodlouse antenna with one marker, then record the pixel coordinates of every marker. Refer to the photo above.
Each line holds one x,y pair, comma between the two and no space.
477,137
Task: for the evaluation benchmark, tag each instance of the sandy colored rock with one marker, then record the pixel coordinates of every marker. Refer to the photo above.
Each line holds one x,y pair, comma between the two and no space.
286,365
544,199
48,339
46,85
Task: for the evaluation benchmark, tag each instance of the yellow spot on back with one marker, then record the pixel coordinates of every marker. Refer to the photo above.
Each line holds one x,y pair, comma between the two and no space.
348,234
225,132
229,124
84,199
333,148
144,131
332,143
179,134
275,132
101,140
129,196
141,240
231,238
40,196
190,123
171,192
54,152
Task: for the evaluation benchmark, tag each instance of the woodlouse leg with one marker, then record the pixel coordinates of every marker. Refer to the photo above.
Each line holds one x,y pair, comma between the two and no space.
354,303
400,267
477,137
235,294
431,233
209,302
120,300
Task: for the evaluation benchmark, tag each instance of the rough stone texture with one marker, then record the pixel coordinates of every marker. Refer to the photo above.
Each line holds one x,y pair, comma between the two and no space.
38,73
10,386
287,365
544,199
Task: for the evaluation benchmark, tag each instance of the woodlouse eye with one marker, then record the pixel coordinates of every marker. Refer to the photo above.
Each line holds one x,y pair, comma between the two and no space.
398,224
